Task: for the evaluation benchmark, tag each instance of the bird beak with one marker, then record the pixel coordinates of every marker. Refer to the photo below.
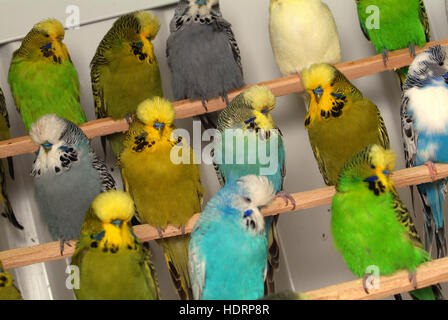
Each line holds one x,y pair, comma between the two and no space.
318,93
117,223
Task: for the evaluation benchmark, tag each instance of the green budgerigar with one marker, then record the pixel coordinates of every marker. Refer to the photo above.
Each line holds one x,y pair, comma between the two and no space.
8,291
394,24
113,264
370,225
4,135
124,70
43,78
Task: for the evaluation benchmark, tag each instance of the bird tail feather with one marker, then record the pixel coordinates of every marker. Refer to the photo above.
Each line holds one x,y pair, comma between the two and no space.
429,293
176,255
11,167
273,257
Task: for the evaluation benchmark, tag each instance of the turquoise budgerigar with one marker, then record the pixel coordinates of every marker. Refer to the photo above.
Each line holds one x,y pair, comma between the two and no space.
67,175
424,114
42,77
245,120
370,225
228,246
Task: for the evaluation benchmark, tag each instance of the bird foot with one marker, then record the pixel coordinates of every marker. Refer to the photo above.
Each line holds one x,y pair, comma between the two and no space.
413,279
432,170
182,229
287,198
129,118
412,50
225,98
204,104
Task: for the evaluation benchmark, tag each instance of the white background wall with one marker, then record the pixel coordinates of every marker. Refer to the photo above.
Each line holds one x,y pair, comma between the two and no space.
309,260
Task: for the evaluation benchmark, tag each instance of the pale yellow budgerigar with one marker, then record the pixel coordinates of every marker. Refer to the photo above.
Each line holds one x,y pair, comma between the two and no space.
302,33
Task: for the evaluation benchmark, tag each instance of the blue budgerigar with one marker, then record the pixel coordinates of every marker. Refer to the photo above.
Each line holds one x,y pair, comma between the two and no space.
67,175
228,246
203,54
424,113
247,122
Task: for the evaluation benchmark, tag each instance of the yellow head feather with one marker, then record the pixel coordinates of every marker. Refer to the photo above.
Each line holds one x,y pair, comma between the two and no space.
50,26
382,158
150,24
156,110
113,205
260,98
318,75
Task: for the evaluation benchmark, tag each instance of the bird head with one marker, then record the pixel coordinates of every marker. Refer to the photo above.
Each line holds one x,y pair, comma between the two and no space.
254,193
201,7
262,102
114,209
328,91
157,115
46,41
430,65
138,30
59,143
372,166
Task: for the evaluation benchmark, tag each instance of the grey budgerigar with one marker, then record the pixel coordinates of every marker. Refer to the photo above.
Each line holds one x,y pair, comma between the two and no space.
203,54
67,175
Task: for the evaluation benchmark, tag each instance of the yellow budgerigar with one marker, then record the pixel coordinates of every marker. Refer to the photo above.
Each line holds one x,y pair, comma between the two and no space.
164,192
302,32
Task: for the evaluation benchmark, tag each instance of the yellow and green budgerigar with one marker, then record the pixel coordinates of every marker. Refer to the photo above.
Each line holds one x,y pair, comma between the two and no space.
164,182
8,291
43,78
4,135
370,225
124,70
340,120
113,264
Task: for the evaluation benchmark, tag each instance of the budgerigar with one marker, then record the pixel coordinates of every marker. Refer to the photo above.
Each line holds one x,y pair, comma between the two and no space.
340,121
394,24
228,248
371,226
124,70
247,122
8,291
67,175
113,264
302,32
42,77
164,191
4,135
203,54
424,115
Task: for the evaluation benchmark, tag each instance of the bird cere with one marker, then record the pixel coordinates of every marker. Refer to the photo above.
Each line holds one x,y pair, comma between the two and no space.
156,176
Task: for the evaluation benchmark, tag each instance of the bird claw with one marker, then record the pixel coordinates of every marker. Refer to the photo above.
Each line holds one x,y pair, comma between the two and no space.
432,170
160,232
287,198
62,243
203,104
412,50
129,118
364,282
413,279
385,57
182,229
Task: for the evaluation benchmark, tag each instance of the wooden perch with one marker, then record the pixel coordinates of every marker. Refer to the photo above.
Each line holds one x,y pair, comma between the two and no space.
304,200
186,108
431,273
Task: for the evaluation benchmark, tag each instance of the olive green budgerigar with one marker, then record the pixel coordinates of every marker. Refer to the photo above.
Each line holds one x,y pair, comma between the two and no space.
4,135
394,24
159,172
8,291
340,120
124,70
113,264
370,225
42,77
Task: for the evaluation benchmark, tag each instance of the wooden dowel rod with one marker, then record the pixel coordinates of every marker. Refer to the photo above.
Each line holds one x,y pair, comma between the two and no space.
304,200
428,274
186,108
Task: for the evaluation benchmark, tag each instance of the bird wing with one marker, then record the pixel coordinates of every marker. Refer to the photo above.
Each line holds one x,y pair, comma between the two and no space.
227,28
424,20
98,93
361,24
107,181
3,110
321,164
196,263
382,132
409,134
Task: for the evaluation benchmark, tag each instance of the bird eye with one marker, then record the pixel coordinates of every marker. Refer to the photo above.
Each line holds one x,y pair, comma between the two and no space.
46,35
149,38
372,167
441,63
247,199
